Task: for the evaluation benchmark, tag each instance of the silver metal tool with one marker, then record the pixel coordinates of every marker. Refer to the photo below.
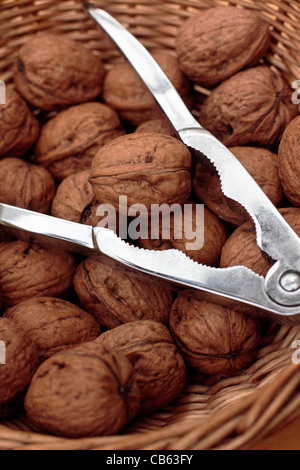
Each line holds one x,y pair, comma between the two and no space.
277,296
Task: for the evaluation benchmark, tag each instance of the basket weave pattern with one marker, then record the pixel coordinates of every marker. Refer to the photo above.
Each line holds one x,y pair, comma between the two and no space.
231,413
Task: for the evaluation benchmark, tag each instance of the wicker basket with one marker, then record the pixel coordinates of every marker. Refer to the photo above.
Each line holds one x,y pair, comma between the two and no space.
222,413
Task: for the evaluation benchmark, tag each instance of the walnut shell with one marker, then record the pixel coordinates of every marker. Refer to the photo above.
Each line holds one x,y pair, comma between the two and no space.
262,166
52,72
147,168
213,339
19,128
75,201
74,198
213,236
145,343
28,270
288,161
252,107
159,126
124,91
217,43
26,185
70,140
53,324
90,390
17,367
241,248
114,297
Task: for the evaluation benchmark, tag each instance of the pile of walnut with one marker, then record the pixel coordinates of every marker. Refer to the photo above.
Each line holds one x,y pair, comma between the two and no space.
88,346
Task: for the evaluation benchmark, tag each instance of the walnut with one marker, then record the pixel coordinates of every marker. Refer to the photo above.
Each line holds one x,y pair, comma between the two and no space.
19,128
124,91
158,365
74,198
53,72
252,107
147,168
262,166
69,141
114,296
90,390
53,324
217,43
288,155
26,185
161,126
75,201
28,270
211,231
213,339
19,361
241,248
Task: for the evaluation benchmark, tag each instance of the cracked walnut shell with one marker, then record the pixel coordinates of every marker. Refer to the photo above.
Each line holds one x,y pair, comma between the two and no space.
29,270
19,128
252,107
53,324
158,366
289,167
89,390
213,339
53,72
147,168
25,185
217,43
114,297
70,140
19,366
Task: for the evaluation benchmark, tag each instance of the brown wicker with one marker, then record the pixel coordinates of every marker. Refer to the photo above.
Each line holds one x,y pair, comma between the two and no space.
222,413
